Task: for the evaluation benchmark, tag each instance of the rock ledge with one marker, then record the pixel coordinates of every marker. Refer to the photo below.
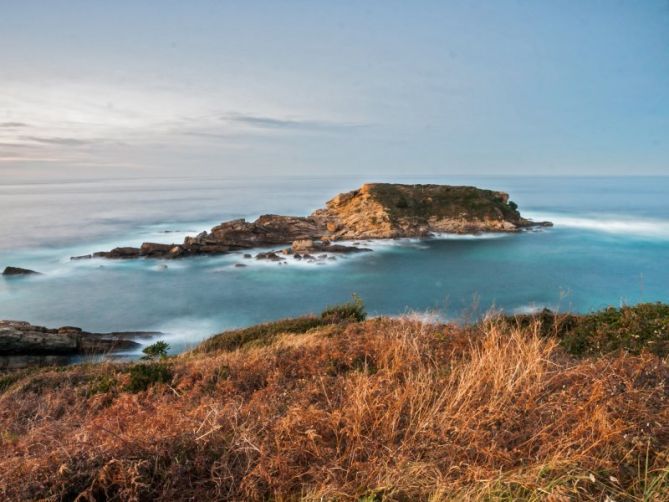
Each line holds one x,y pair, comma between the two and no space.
22,338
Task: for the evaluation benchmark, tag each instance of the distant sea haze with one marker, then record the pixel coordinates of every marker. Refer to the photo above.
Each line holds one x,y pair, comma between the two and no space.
610,245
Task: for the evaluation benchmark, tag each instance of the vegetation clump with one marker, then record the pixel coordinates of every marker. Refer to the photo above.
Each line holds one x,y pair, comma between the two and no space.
144,375
425,201
6,381
633,329
156,350
264,334
353,311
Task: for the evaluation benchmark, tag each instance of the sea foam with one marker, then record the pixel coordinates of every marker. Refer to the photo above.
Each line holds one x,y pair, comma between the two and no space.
610,224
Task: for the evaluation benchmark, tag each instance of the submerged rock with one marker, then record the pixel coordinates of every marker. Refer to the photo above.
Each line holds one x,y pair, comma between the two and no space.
19,271
271,256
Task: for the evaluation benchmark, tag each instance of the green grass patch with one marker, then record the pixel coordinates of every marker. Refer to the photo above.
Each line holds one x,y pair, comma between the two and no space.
144,375
425,201
633,329
6,381
102,384
353,311
260,334
264,334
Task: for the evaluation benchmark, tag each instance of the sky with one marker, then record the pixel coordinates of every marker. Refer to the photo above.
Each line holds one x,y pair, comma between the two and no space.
138,88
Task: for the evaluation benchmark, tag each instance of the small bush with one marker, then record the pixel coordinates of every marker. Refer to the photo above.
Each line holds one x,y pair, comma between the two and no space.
102,384
156,350
351,311
639,328
643,327
144,375
402,203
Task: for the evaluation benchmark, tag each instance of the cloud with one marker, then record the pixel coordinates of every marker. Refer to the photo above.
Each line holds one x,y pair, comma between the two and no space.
13,125
266,122
204,134
59,141
13,145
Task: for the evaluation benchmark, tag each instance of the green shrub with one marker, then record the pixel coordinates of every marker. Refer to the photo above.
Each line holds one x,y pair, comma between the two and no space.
643,327
101,384
156,350
144,375
6,381
351,311
633,329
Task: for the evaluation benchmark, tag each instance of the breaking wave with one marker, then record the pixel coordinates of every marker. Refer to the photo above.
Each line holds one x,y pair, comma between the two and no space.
610,224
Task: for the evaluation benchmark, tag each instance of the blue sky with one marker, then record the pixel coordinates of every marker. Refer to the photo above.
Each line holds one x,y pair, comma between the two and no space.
212,88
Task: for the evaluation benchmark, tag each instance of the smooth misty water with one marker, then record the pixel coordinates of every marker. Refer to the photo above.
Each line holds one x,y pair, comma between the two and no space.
610,245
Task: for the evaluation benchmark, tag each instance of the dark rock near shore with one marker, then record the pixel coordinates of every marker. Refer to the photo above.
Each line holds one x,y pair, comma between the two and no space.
22,338
118,253
19,271
271,256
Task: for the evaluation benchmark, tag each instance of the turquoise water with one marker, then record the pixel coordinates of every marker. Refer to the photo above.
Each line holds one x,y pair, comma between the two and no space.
610,245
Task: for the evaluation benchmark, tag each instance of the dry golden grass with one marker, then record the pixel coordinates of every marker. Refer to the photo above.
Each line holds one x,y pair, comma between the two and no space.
382,409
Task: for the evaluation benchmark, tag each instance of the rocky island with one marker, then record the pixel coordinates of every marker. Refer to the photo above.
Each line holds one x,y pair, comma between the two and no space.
374,211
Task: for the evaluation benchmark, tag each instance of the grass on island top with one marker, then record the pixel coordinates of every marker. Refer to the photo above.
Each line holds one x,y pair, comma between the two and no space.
444,201
336,407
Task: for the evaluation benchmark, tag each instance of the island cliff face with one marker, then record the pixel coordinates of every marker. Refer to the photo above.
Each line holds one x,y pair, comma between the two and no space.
384,211
374,211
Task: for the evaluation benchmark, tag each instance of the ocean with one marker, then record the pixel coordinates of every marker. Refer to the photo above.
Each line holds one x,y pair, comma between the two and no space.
609,246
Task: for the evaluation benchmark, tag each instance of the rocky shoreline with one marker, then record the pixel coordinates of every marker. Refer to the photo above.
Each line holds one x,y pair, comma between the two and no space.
374,211
23,338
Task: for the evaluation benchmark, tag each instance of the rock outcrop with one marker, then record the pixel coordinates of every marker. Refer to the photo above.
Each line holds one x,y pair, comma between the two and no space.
374,211
22,338
385,211
18,271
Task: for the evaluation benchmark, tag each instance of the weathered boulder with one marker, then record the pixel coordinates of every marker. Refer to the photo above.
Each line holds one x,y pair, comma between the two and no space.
19,271
302,245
